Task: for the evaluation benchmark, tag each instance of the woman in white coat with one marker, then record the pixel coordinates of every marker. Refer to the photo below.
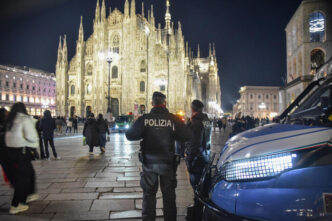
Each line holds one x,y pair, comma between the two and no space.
21,133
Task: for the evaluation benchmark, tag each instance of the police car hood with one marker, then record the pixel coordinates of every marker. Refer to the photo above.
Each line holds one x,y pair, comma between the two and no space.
273,138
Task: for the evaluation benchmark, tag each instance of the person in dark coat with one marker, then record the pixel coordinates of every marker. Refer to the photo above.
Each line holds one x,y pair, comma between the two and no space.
91,133
47,126
75,122
41,145
102,129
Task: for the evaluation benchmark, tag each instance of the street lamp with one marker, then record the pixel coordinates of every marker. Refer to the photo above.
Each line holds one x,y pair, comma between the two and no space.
147,32
109,56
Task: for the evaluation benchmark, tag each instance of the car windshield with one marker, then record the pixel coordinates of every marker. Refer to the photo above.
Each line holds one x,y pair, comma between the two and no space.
122,119
316,109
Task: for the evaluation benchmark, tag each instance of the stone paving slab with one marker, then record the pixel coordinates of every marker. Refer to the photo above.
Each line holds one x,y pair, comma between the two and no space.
74,206
135,195
113,205
131,214
71,196
85,215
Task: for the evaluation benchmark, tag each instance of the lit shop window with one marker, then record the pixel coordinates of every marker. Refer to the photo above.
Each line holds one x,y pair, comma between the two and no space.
25,99
37,100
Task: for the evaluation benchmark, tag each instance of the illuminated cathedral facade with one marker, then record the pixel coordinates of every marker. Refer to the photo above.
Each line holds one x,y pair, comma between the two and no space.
127,58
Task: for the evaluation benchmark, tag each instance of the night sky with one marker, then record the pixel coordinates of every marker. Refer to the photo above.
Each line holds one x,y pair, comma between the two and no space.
249,34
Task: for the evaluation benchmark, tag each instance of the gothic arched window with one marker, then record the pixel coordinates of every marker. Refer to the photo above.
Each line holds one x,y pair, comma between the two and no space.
89,70
143,66
317,58
142,86
317,27
72,90
116,44
114,72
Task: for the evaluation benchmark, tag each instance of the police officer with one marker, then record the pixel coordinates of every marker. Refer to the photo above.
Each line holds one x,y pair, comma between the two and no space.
159,129
197,153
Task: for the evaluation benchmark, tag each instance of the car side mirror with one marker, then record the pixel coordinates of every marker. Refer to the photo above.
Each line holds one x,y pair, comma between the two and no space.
324,102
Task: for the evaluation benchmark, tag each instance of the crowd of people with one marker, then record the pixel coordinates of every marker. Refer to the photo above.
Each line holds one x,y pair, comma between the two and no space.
66,124
240,124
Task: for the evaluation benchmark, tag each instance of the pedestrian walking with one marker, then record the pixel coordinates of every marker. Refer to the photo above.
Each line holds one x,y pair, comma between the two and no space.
69,124
91,133
20,137
158,129
224,123
59,124
47,126
39,131
102,129
197,154
75,124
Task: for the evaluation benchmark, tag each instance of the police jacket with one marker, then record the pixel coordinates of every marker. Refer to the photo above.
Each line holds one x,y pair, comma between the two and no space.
200,127
159,129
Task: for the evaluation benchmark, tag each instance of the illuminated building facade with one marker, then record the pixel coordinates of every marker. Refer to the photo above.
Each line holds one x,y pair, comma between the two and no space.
258,102
129,56
309,46
33,87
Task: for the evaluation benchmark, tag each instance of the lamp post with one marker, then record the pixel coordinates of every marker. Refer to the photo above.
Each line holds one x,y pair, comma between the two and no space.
147,32
110,57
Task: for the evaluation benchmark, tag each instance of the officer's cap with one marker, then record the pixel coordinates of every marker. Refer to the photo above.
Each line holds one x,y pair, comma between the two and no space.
197,105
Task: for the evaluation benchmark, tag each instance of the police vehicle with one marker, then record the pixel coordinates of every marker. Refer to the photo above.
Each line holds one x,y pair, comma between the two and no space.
280,171
122,123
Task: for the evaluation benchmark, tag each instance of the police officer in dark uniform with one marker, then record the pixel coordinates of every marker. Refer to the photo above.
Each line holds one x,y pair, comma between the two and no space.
159,129
197,153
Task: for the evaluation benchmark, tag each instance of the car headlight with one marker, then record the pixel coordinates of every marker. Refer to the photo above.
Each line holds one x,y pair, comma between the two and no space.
127,126
257,167
116,126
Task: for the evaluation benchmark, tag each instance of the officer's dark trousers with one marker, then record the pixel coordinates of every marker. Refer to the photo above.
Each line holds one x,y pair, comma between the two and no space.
149,184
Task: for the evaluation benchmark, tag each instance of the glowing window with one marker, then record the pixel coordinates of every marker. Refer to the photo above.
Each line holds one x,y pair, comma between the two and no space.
317,27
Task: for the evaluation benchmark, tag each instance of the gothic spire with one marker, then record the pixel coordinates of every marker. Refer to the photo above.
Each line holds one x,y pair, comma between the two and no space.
198,52
59,51
168,17
103,11
179,29
97,14
64,50
132,9
143,9
81,31
126,9
152,16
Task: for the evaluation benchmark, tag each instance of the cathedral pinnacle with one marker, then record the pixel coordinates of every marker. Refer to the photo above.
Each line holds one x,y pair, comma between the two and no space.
198,52
143,9
126,9
103,11
168,17
80,32
132,9
97,15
